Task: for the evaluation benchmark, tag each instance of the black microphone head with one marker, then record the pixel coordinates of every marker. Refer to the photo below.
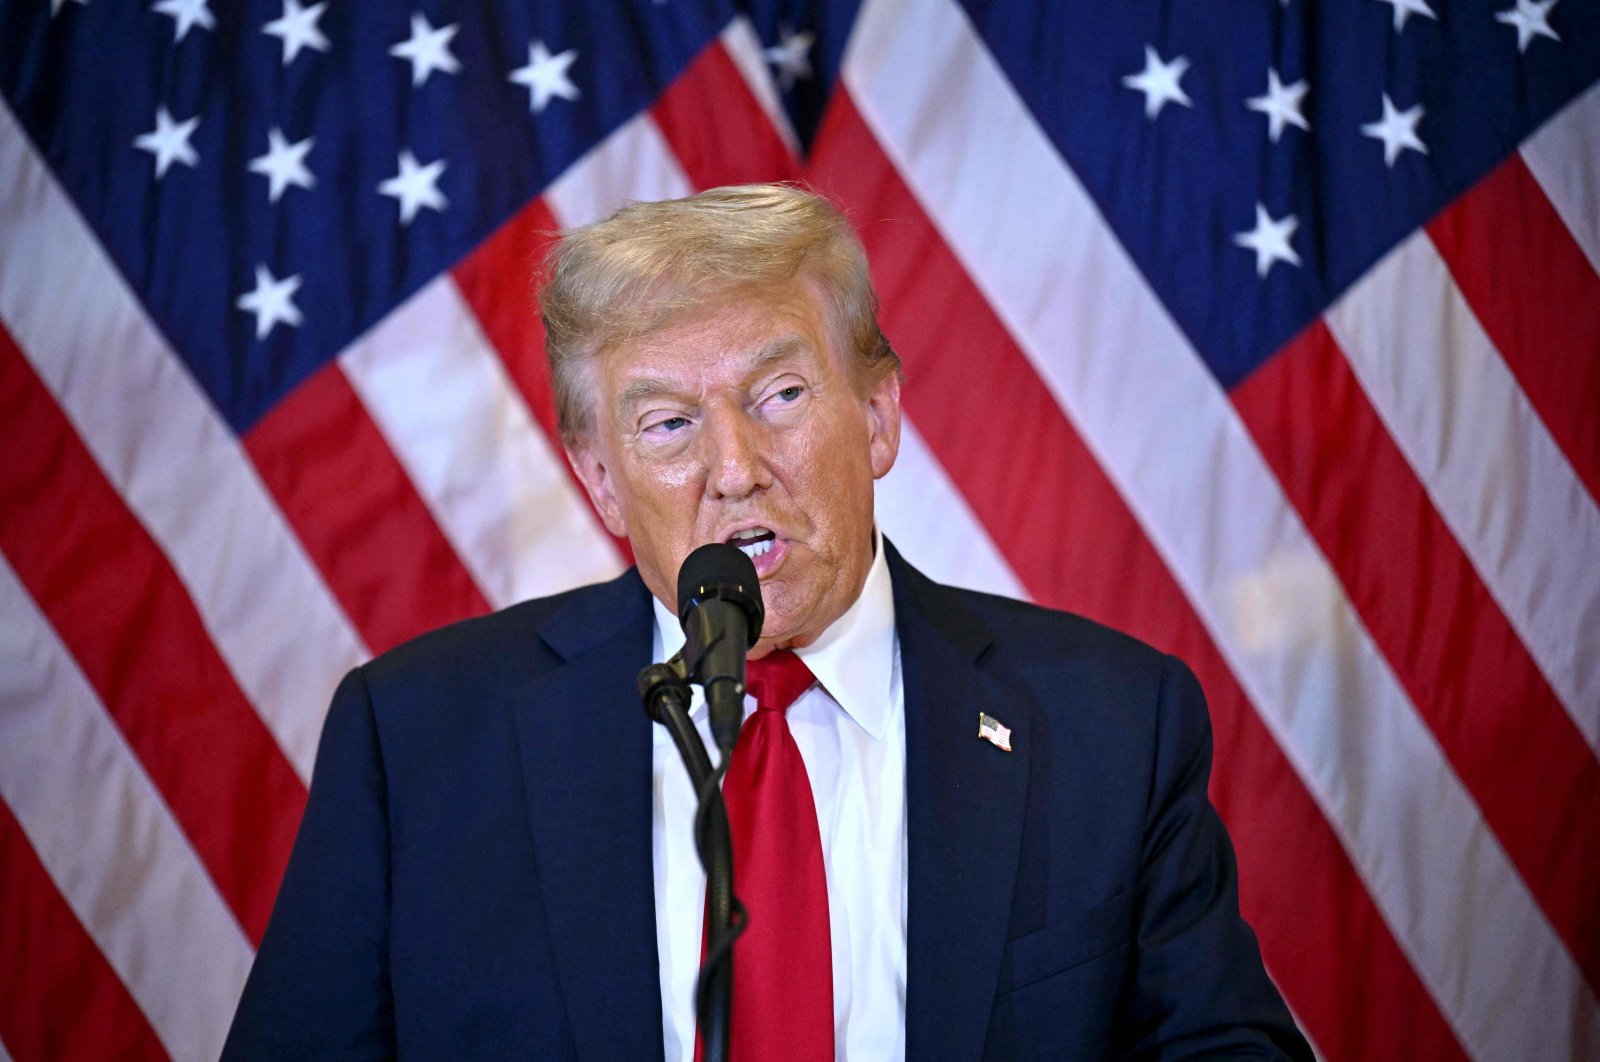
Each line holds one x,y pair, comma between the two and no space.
718,571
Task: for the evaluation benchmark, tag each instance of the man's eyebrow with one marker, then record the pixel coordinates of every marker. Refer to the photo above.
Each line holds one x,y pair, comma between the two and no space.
649,388
775,351
645,389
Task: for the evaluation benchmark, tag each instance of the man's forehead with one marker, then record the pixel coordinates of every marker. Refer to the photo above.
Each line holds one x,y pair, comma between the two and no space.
730,308
738,331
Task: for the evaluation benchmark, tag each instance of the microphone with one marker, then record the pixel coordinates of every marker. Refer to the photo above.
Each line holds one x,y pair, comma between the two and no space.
719,604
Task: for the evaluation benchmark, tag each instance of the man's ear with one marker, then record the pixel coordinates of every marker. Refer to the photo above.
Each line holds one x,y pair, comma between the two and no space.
596,477
883,421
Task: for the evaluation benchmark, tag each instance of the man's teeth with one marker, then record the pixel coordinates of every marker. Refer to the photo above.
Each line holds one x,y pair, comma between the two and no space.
753,541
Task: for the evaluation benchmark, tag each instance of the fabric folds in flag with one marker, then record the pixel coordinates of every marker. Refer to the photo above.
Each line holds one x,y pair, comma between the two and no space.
1269,332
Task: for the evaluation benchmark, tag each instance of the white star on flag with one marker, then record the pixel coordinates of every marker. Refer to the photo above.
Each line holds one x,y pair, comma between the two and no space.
169,142
57,5
1159,82
1404,9
415,186
297,29
186,15
427,50
272,302
1270,240
1397,129
284,164
1530,18
1281,105
546,76
791,57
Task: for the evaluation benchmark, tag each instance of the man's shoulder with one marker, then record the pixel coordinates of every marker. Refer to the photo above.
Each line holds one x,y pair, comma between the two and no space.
1063,634
510,644
1097,687
1021,635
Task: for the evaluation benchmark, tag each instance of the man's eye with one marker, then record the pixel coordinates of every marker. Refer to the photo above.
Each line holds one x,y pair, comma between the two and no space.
668,424
791,393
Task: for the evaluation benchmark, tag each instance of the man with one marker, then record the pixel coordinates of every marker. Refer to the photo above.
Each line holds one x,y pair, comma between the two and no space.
994,816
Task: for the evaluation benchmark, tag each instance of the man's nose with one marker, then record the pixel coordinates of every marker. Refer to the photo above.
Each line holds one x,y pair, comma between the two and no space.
736,464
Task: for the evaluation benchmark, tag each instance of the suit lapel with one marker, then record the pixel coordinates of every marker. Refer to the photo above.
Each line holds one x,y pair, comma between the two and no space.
965,801
585,746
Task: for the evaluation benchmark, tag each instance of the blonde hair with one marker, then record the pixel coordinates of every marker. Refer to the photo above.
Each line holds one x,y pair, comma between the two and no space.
621,278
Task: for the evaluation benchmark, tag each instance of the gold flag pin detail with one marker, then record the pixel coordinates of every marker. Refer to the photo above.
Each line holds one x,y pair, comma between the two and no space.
994,732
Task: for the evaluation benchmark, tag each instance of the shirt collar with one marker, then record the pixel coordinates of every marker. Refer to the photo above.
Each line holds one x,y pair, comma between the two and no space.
854,659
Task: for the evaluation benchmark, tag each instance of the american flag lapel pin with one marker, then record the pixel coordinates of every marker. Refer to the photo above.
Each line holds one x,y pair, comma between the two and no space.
994,732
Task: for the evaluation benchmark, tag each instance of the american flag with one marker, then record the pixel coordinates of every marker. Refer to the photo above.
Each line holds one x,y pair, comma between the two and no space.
1268,331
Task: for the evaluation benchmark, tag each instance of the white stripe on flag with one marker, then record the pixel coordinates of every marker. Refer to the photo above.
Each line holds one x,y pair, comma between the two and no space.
931,523
633,164
176,464
108,840
1564,157
1159,423
500,493
1486,459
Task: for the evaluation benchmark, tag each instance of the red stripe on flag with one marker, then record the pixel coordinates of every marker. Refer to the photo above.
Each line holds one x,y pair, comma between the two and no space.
496,280
1325,942
358,514
1538,299
718,129
1070,537
122,612
1497,719
941,326
59,998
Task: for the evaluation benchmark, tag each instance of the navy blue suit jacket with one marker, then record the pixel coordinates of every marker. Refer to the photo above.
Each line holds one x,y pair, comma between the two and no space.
473,874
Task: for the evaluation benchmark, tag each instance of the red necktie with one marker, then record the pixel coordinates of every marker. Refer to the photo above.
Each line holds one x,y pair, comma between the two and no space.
783,961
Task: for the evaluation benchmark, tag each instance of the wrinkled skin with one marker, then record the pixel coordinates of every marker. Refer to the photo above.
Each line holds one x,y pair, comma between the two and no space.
746,414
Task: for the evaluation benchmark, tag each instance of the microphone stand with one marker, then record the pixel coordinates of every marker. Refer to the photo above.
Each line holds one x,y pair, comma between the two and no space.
664,690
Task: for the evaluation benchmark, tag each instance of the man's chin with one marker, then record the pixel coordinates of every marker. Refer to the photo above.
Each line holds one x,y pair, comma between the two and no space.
797,615
779,635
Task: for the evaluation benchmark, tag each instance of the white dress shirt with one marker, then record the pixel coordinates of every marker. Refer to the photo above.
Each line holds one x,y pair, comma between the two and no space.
851,731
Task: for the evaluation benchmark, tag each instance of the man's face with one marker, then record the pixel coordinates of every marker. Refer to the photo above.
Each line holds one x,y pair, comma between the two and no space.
744,423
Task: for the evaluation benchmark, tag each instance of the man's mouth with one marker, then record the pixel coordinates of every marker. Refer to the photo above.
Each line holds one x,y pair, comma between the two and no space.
753,541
